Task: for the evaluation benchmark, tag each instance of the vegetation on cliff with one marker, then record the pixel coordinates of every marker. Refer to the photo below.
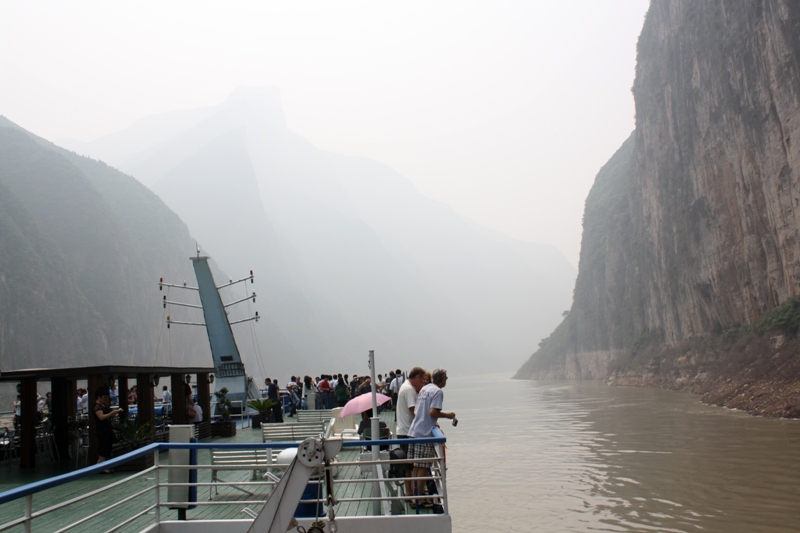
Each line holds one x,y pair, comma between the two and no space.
784,318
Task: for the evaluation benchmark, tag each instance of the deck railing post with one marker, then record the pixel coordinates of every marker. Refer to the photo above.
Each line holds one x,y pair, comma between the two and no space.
374,430
443,477
158,487
28,513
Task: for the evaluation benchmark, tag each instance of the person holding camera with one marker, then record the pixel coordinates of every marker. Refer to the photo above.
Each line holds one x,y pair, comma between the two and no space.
427,412
102,428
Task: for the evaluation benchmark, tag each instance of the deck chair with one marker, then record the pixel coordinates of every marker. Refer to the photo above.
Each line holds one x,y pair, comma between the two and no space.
366,453
7,445
80,442
343,427
386,434
46,441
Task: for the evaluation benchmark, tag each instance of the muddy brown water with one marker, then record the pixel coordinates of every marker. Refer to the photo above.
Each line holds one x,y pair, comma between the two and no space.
562,456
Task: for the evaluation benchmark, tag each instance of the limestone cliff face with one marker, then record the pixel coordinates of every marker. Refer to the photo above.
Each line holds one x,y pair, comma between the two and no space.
692,227
717,89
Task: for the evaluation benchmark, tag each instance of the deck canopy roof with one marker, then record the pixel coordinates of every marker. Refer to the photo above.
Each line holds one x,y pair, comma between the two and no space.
83,372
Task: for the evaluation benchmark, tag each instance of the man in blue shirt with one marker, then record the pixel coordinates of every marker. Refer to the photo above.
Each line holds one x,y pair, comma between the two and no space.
427,412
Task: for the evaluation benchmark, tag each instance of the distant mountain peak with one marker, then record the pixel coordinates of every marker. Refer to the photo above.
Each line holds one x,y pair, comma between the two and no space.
263,101
255,94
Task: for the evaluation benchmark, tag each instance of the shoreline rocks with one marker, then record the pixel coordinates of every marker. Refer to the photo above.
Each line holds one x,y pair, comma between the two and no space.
751,373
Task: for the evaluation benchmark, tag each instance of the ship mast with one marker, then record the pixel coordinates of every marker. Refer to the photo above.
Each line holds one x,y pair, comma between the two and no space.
230,371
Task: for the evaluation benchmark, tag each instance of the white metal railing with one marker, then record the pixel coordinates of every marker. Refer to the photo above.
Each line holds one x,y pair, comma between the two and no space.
244,412
144,489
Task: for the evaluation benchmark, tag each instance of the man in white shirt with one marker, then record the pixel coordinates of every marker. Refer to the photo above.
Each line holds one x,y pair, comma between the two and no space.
198,417
395,385
406,400
18,411
84,401
166,400
397,382
294,395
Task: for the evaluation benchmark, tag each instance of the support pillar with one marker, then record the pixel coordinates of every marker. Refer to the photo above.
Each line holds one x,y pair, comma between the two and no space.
146,409
178,399
28,422
204,395
62,399
72,400
122,394
94,382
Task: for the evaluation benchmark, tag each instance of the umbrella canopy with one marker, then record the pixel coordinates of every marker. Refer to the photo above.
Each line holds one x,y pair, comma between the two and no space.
359,404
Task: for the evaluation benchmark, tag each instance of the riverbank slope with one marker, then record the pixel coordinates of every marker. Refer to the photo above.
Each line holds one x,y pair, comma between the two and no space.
753,373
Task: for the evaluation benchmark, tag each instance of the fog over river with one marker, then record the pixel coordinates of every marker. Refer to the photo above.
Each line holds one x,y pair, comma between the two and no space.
562,456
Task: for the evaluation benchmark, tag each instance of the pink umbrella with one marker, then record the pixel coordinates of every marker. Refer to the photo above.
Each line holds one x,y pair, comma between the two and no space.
359,404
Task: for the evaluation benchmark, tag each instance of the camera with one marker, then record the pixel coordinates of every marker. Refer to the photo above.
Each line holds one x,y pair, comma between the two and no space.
455,422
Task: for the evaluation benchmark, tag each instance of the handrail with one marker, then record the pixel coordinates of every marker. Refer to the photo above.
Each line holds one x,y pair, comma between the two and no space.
381,497
38,486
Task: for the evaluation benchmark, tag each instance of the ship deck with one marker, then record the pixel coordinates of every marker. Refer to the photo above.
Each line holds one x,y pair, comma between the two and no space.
221,501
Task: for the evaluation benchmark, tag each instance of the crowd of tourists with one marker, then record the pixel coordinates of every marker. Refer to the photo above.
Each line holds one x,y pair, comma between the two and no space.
327,391
417,399
43,408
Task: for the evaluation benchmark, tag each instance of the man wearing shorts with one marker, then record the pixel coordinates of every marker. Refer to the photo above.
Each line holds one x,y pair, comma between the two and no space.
406,400
426,414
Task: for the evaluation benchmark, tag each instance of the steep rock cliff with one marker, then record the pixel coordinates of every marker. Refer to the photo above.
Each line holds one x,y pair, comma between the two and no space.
691,228
717,88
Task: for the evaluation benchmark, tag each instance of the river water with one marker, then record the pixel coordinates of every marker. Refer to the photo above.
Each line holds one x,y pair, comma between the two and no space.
574,457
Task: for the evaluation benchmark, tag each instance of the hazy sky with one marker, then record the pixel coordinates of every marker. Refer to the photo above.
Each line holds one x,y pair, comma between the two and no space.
504,110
